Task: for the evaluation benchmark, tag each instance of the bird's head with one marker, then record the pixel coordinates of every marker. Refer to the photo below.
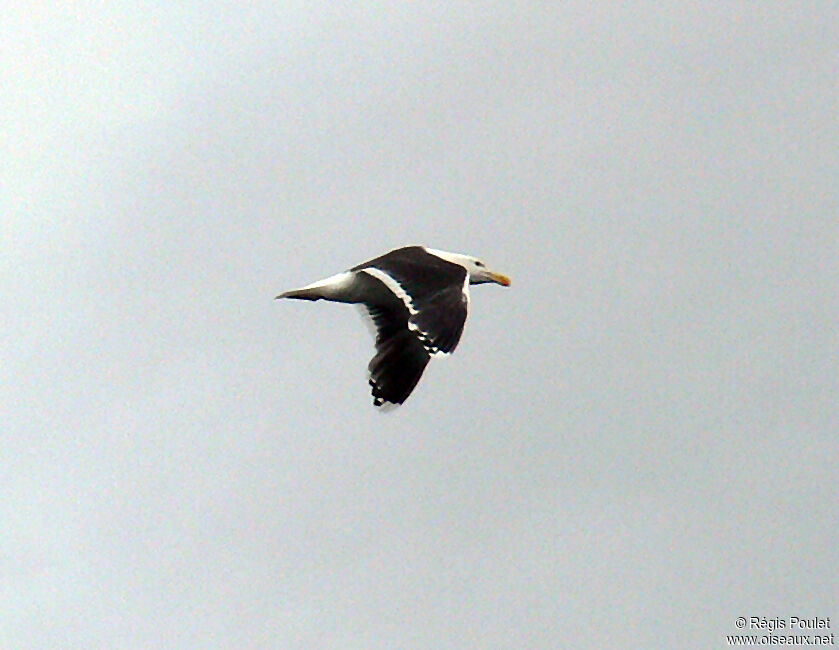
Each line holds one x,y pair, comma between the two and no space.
477,270
479,273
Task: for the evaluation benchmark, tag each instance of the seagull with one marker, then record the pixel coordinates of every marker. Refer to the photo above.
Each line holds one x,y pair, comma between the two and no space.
417,298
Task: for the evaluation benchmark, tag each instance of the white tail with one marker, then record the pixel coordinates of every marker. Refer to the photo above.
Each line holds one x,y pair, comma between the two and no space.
331,288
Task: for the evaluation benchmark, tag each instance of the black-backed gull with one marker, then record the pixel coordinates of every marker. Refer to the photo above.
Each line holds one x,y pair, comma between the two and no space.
418,298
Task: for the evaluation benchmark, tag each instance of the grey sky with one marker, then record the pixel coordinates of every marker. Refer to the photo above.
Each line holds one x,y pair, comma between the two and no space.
633,445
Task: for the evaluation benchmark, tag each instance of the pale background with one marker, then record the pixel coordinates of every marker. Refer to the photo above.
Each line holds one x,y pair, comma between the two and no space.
633,445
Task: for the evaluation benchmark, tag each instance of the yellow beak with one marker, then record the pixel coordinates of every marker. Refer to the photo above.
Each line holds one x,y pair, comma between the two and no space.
503,280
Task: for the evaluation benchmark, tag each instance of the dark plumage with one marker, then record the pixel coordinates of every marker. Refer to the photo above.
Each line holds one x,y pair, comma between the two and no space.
418,299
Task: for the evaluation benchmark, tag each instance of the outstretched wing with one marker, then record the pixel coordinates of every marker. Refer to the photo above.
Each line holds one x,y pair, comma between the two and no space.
433,291
400,356
440,319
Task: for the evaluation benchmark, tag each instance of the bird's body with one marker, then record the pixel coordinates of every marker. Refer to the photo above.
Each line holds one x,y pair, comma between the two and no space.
418,299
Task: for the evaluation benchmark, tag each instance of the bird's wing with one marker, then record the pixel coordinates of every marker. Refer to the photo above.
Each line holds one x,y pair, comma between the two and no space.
400,356
434,291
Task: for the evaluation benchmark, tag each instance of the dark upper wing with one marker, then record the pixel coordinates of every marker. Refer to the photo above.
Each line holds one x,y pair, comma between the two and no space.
397,367
440,320
435,289
400,356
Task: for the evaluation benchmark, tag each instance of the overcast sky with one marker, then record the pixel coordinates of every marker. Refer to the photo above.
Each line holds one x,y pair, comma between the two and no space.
634,444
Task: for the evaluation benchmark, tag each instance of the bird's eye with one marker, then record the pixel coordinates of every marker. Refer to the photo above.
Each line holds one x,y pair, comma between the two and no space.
477,263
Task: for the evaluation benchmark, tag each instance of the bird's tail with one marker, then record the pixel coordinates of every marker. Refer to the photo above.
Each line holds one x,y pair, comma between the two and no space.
336,288
301,294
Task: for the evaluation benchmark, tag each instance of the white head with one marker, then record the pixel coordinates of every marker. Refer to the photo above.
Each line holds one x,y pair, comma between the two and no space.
478,271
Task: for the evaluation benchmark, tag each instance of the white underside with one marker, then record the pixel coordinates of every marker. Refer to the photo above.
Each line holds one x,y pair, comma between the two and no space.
466,291
337,281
